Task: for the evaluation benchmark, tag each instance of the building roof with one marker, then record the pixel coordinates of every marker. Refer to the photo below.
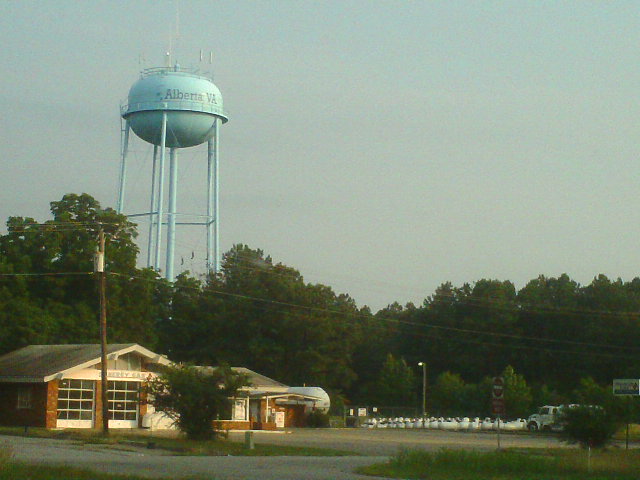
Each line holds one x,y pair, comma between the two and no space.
42,363
257,380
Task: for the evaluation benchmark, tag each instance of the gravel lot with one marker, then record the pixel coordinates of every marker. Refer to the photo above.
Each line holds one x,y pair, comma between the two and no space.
385,442
373,445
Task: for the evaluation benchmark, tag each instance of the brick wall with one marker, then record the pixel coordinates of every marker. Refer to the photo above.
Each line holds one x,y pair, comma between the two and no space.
143,406
11,415
295,416
263,426
231,424
51,410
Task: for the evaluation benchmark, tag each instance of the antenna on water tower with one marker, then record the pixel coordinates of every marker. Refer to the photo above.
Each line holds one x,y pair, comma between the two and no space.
173,108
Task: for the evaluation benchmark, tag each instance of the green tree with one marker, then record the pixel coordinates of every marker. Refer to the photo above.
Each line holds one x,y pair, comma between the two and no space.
373,341
517,394
57,302
589,392
589,426
543,395
477,398
193,397
396,383
448,394
23,323
264,316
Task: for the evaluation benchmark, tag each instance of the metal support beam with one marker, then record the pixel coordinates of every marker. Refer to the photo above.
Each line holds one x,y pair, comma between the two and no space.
152,204
123,166
216,194
171,219
210,169
160,215
163,150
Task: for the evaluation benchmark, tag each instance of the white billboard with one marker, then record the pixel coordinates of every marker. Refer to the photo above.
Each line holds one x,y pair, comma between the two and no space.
626,386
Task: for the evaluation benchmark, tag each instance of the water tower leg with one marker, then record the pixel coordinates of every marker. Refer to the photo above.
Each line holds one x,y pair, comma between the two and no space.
216,191
152,205
123,167
171,220
163,150
210,218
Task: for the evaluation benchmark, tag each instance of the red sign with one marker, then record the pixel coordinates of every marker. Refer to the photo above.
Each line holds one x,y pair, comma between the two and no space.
497,396
497,390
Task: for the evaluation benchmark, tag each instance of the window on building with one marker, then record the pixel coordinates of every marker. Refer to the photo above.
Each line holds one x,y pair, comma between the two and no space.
75,399
240,409
25,400
123,400
128,361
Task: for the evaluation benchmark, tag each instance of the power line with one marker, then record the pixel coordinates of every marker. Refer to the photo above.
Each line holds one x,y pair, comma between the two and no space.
58,227
510,305
404,322
269,269
44,274
70,223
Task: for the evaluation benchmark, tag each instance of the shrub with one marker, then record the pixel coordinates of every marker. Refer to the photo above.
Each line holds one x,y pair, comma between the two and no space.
588,426
317,419
194,397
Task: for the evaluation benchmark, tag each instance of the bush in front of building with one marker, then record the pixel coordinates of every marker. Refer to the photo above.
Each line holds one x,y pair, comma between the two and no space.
317,419
589,426
336,421
193,397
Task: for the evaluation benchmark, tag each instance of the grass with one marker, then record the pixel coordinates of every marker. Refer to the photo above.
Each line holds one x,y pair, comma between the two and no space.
529,464
177,446
17,470
634,433
12,470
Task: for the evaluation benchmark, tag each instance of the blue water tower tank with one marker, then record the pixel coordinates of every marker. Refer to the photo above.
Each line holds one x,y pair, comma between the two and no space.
192,103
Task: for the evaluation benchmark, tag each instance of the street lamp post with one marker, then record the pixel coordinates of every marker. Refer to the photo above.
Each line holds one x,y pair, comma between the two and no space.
424,388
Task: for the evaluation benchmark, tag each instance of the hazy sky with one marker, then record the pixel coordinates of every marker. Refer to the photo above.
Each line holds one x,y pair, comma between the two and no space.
379,147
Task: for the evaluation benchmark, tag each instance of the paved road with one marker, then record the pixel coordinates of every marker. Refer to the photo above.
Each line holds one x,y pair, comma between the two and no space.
154,463
374,445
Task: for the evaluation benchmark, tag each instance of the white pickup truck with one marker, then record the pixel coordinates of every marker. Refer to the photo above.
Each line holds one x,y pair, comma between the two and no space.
546,419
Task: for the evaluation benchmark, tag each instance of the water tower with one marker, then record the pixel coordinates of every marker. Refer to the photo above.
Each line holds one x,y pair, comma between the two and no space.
173,108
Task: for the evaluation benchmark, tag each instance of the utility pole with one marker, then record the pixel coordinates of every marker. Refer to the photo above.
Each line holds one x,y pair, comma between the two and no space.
102,287
424,388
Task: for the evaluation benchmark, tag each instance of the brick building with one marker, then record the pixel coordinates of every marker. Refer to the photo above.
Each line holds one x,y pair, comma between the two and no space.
59,386
266,404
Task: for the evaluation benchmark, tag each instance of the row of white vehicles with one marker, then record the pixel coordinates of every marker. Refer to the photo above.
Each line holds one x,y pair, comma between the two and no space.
547,419
441,423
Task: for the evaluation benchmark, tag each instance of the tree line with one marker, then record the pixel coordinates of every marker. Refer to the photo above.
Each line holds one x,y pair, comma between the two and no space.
549,337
